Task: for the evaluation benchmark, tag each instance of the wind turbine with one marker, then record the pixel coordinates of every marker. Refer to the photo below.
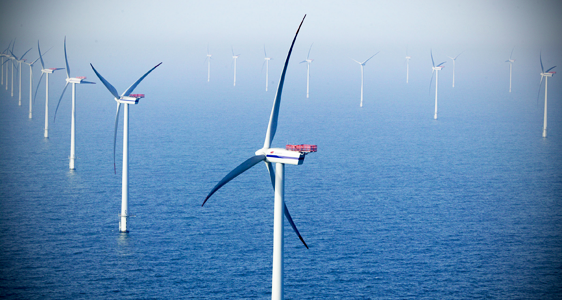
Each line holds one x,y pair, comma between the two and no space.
128,99
74,81
266,62
362,64
208,59
545,74
435,70
308,61
454,59
407,67
510,61
31,84
234,57
19,61
3,55
280,157
43,72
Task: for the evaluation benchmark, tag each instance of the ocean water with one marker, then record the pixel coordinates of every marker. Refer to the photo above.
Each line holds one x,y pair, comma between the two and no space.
394,205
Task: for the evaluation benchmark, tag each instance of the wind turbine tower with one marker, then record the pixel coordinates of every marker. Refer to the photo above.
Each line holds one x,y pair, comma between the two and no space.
208,64
407,68
19,61
293,155
510,61
454,59
362,64
545,74
127,99
235,57
43,72
435,70
308,61
266,62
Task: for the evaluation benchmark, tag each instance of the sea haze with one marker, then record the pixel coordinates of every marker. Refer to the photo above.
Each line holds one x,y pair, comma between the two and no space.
394,204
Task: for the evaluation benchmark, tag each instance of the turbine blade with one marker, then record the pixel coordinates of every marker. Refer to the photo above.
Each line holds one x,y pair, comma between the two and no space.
540,57
271,173
511,53
115,135
288,216
432,62
308,55
356,61
134,85
539,93
370,58
37,88
458,55
264,52
439,65
25,53
66,60
250,162
430,81
272,126
40,56
108,85
262,65
550,69
232,50
64,90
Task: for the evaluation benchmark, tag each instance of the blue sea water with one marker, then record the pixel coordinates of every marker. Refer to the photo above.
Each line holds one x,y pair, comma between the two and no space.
394,205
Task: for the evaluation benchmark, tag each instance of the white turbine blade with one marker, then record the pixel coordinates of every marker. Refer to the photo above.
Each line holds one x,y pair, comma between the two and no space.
115,135
25,53
250,162
356,61
232,50
511,53
369,58
134,85
550,69
308,55
264,52
542,68
66,60
458,56
64,90
40,56
271,172
37,88
432,62
108,85
430,81
539,93
272,126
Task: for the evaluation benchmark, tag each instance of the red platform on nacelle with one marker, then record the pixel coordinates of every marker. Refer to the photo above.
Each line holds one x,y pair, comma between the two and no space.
302,148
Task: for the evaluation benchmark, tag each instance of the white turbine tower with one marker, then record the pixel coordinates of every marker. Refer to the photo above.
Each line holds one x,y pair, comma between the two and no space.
545,74
43,72
266,62
454,59
362,64
280,157
19,61
435,70
127,99
510,61
32,98
308,61
208,59
4,55
74,81
407,68
235,57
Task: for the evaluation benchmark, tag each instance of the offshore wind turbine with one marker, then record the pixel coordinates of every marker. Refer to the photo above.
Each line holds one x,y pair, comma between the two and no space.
43,72
235,57
435,70
308,61
511,61
208,59
454,59
545,74
31,85
74,81
280,157
266,62
4,55
407,67
127,99
19,61
362,64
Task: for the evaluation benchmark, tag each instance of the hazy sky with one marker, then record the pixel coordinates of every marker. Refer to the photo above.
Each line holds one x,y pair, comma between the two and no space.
139,34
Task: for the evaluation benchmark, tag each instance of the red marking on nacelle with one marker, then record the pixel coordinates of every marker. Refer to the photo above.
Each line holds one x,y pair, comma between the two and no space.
137,95
81,77
302,148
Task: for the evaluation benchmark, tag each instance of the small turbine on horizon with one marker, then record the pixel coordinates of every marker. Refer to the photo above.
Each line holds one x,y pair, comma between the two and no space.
362,64
511,61
545,74
266,62
74,81
208,59
280,157
19,61
435,70
43,72
234,57
5,55
127,99
454,59
407,67
308,61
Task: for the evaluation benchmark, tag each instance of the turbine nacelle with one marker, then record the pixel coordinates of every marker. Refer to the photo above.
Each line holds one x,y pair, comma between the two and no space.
283,156
51,70
131,99
548,74
78,79
438,68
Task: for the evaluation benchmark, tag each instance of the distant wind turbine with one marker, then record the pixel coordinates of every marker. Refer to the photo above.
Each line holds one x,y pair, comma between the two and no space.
511,61
362,64
31,97
43,72
277,177
435,70
235,57
454,59
407,67
545,74
4,55
308,61
266,62
208,59
74,81
128,99
19,61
